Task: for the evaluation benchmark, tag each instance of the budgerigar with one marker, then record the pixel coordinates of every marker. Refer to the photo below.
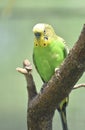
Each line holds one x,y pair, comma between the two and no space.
49,52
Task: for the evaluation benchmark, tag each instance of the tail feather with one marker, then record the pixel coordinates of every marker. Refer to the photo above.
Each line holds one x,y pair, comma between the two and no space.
63,119
62,111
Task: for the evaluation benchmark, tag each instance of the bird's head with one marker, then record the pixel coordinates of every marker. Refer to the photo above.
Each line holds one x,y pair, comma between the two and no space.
43,33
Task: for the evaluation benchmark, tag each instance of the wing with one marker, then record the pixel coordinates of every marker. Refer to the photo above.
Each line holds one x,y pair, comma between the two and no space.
36,67
66,51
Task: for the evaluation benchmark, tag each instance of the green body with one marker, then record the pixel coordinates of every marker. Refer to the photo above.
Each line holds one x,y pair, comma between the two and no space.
46,59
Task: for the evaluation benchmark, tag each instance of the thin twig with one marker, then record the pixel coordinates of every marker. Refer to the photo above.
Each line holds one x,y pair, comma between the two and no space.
27,67
78,86
26,70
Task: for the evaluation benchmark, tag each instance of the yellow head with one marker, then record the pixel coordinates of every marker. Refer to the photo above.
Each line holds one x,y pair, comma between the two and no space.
43,34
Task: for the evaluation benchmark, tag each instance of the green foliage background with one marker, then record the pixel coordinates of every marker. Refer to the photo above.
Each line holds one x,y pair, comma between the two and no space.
17,18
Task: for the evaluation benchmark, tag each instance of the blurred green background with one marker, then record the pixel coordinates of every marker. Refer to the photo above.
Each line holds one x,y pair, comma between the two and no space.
17,18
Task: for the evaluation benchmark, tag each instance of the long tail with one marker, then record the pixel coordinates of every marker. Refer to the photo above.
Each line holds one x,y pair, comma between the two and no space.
63,119
62,112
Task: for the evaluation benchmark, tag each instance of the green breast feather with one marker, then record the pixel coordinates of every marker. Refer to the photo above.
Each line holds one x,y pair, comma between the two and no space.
46,59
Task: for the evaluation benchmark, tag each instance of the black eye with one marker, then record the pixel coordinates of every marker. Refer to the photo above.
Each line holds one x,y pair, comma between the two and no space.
46,38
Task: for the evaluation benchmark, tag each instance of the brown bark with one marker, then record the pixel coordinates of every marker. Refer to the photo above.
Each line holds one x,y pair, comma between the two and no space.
41,107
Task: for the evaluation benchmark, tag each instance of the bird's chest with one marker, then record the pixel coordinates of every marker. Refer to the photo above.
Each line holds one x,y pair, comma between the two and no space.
45,60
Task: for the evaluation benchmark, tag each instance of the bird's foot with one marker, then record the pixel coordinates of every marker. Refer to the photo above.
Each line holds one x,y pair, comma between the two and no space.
56,69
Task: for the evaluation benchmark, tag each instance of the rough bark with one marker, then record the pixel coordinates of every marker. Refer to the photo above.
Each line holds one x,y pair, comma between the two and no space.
41,106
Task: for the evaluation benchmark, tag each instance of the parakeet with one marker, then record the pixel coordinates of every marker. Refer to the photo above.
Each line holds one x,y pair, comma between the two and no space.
48,53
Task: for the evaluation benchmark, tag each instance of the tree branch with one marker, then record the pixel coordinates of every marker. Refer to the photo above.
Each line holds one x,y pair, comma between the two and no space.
26,70
42,106
78,86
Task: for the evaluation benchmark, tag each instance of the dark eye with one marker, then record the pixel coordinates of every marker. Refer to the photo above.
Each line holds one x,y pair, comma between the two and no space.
46,38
